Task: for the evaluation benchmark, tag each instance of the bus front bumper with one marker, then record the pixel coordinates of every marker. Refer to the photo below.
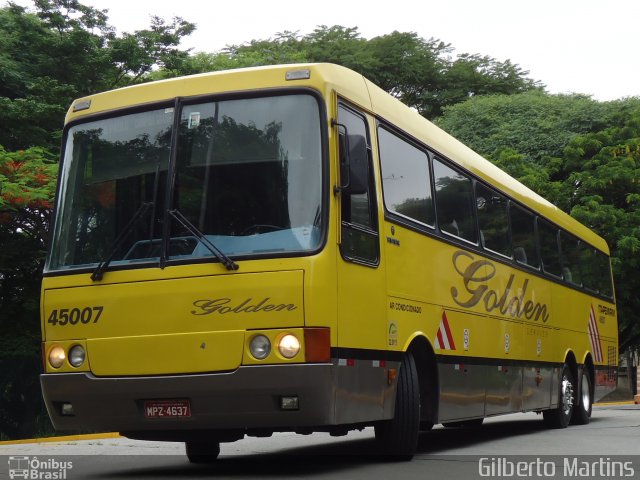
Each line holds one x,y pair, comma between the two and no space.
247,398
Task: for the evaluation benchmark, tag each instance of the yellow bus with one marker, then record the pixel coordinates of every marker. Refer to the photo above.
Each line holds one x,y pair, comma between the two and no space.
290,248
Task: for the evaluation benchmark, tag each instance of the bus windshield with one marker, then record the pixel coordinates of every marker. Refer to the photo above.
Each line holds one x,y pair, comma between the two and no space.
247,173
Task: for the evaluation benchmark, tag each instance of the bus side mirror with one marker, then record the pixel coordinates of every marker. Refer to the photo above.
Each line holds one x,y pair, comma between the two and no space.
358,165
354,162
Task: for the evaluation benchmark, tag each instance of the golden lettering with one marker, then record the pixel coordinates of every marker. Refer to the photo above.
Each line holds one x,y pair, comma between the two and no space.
509,302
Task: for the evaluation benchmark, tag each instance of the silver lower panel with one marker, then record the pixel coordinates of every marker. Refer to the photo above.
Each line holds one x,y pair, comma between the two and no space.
474,391
462,391
330,394
343,392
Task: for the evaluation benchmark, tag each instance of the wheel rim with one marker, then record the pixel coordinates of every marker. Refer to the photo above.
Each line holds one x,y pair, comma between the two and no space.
586,394
567,395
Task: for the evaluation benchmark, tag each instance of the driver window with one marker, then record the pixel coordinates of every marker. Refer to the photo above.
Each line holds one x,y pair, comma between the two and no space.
359,224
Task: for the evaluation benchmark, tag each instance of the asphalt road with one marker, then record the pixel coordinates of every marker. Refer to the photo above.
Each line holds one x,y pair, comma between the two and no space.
609,447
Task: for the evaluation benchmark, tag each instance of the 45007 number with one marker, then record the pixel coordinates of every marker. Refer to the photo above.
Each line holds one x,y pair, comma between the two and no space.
73,316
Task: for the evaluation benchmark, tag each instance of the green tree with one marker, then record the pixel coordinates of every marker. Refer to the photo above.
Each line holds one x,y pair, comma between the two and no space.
476,74
534,124
27,185
337,44
64,50
283,48
421,73
410,68
50,55
530,173
135,54
605,181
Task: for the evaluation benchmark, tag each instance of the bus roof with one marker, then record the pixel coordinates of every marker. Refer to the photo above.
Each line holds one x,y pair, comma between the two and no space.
327,78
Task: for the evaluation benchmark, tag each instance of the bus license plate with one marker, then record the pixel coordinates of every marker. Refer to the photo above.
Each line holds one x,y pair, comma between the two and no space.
167,409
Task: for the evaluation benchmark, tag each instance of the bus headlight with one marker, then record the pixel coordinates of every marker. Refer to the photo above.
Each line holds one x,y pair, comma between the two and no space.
289,346
77,355
260,347
57,356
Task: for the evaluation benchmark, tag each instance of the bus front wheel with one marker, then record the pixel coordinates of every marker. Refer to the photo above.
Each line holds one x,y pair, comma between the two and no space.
398,438
561,416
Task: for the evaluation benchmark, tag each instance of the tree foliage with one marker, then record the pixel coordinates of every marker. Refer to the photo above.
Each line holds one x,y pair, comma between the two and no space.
422,73
534,124
27,178
27,183
64,50
604,176
49,56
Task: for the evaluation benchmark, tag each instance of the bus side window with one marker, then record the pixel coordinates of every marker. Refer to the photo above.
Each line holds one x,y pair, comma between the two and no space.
589,268
359,223
596,270
406,182
569,246
603,265
455,208
549,251
493,219
523,237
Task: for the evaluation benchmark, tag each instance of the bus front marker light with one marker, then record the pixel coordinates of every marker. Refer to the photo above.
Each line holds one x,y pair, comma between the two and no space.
289,403
57,356
298,75
66,410
260,347
289,346
77,355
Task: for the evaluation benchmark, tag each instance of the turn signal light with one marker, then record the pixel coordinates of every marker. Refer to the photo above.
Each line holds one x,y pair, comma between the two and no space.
317,345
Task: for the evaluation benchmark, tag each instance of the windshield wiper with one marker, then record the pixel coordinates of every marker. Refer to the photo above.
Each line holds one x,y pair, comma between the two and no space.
193,230
98,273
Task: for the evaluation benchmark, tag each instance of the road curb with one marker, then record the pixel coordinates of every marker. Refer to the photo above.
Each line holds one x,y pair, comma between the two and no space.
609,404
68,438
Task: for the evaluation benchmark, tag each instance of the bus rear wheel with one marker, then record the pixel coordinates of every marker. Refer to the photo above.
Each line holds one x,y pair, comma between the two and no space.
398,438
561,416
582,412
202,452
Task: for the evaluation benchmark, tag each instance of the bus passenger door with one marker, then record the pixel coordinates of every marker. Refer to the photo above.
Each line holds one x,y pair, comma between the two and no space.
361,281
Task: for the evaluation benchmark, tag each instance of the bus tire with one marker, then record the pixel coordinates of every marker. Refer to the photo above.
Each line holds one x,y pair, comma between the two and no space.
397,438
582,411
202,452
561,416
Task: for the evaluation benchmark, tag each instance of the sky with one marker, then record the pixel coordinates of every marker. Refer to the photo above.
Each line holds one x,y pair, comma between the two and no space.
571,46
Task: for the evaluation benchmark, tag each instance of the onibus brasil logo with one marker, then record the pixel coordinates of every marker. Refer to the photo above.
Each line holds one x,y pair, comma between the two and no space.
33,468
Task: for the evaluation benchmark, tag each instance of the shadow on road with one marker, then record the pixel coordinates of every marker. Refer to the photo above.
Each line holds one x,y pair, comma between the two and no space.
329,458
443,439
